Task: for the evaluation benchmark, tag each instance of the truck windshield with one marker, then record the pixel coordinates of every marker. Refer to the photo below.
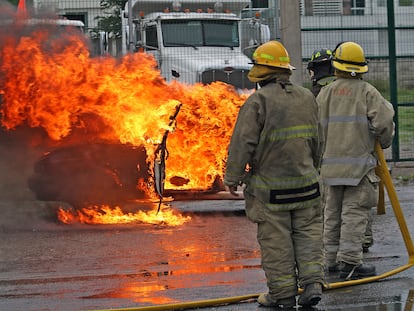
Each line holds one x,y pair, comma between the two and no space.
200,33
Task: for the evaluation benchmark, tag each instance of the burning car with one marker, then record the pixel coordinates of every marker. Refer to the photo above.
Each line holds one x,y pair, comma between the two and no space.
104,120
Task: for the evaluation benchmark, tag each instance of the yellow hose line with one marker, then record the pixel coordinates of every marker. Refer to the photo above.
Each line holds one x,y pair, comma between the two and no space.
386,179
392,194
409,305
189,305
368,279
381,197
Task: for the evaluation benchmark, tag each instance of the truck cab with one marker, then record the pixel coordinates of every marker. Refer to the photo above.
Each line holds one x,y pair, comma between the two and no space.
194,41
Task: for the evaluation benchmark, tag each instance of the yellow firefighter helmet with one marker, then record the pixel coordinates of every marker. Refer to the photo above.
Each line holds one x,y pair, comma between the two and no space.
273,54
350,57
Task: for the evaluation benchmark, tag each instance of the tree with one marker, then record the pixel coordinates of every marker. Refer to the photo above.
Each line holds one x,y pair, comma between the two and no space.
111,21
14,2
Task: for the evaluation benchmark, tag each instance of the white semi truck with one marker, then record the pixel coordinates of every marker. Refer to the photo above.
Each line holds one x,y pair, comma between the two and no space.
195,40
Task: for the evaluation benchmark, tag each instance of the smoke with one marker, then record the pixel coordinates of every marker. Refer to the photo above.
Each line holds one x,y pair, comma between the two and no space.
7,10
17,156
19,148
15,25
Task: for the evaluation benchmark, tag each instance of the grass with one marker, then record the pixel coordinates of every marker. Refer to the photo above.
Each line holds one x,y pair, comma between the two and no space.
405,113
405,179
406,124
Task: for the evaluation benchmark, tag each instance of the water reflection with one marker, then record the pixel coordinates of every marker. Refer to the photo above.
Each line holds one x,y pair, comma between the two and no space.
212,255
400,302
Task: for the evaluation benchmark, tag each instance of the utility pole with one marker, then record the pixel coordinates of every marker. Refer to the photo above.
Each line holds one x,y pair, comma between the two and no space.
290,32
130,29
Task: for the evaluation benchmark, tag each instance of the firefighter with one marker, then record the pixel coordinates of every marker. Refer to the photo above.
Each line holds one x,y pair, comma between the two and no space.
320,69
322,73
275,151
354,116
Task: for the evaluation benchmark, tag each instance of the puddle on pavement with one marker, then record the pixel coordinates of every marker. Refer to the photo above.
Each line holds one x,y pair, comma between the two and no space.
213,256
399,302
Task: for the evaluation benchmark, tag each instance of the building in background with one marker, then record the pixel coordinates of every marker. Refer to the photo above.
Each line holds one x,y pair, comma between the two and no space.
327,22
323,22
84,10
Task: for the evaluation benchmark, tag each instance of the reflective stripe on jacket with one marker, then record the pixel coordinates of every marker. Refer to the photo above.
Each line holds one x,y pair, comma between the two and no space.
354,115
277,134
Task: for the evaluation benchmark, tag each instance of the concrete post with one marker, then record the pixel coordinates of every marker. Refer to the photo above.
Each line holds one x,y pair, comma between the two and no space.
290,31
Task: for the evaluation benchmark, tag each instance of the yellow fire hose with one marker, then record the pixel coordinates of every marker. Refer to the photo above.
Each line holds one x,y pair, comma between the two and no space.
392,194
386,180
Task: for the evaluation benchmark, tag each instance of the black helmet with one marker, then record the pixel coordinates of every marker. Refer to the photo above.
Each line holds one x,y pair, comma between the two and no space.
320,65
320,56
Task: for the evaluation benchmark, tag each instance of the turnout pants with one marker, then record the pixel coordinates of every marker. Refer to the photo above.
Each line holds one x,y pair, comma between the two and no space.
291,246
347,212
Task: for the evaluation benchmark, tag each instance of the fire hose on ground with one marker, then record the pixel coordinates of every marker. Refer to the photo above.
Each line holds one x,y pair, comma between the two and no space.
386,181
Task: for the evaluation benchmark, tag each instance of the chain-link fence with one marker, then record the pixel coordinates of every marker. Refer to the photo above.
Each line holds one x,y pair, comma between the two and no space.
390,52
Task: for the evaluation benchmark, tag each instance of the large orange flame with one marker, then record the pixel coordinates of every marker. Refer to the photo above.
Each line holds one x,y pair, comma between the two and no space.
107,215
52,82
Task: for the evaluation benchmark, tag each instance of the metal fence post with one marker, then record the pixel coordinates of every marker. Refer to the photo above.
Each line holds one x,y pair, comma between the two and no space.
393,76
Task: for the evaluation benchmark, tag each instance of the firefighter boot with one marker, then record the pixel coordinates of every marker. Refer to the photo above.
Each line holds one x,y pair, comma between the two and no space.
311,295
267,301
348,271
333,268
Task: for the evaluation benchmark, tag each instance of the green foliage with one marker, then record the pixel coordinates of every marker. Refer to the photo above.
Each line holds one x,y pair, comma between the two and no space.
14,2
405,2
405,124
405,113
111,21
108,4
405,179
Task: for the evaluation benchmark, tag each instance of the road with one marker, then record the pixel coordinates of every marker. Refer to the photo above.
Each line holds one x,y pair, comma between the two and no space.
45,265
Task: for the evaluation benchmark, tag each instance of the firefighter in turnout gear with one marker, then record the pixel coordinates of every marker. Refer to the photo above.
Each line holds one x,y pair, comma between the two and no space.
354,116
275,151
320,69
322,73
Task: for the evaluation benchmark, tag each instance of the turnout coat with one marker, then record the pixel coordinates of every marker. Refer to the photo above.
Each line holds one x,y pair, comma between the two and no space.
354,115
276,146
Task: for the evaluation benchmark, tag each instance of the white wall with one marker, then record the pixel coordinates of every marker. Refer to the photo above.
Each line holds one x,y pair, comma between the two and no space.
91,8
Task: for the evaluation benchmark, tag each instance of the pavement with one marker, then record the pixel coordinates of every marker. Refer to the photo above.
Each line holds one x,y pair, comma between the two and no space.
210,262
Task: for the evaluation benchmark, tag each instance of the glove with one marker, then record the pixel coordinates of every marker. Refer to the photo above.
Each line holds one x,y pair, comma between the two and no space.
233,189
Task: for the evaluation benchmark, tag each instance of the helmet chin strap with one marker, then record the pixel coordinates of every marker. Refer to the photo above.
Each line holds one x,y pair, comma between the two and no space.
311,73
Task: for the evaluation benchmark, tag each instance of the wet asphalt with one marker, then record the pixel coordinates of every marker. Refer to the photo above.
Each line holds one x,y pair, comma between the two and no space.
45,265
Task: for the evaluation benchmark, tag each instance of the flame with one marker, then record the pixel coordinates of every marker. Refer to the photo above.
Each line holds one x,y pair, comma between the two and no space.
106,215
56,91
204,127
52,82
